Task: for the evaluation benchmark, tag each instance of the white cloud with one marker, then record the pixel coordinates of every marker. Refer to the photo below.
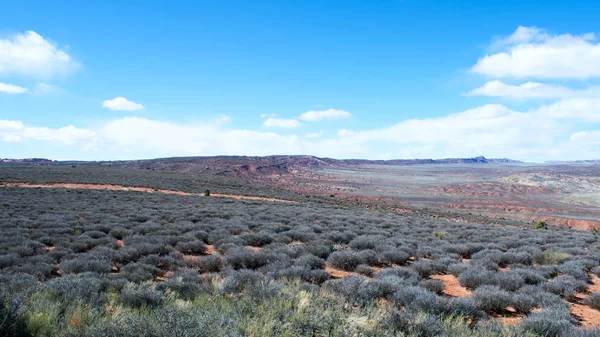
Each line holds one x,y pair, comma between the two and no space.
330,114
531,52
11,89
30,54
549,132
15,131
530,89
121,104
281,123
314,134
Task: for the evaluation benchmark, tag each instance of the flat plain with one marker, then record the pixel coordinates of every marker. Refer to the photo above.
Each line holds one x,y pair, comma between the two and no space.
89,250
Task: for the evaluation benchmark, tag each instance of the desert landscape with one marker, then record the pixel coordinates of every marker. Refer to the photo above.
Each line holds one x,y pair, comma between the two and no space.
298,246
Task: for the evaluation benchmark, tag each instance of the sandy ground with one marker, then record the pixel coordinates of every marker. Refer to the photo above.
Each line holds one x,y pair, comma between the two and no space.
587,316
137,189
452,286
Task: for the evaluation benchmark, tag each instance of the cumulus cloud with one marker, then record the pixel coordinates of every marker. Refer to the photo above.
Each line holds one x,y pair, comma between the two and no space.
548,132
314,134
530,89
11,89
122,104
281,123
31,54
329,114
16,131
531,52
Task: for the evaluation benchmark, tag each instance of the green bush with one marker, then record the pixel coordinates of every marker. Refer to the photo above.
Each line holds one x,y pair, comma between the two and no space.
542,224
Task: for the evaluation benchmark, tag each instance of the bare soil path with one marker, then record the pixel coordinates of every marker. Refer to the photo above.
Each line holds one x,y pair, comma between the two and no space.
137,189
452,286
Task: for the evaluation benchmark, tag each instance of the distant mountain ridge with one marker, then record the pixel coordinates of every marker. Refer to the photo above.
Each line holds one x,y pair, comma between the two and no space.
251,166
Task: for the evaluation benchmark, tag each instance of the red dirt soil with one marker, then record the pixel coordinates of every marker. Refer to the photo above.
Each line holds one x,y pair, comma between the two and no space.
136,189
452,286
338,273
210,250
587,316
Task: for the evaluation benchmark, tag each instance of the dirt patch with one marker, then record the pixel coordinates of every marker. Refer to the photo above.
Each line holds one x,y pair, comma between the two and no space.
210,250
165,276
338,273
191,257
249,197
452,286
49,248
587,316
255,249
120,243
137,189
595,287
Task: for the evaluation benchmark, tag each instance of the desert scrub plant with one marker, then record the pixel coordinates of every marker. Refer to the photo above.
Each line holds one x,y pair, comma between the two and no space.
209,263
345,260
395,256
549,257
140,296
244,258
492,299
191,247
440,234
565,286
542,224
310,261
86,264
593,300
435,286
551,322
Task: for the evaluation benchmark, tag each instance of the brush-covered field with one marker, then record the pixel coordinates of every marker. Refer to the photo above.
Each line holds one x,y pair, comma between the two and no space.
77,262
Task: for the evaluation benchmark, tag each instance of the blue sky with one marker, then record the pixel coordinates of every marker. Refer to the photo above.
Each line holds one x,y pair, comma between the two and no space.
344,79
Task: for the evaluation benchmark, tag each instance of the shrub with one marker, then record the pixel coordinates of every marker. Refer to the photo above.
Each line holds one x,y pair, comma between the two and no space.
551,322
257,239
418,299
473,277
356,290
565,286
138,272
239,280
310,261
426,268
140,296
191,247
207,193
593,300
316,276
577,269
82,265
344,260
395,256
244,258
542,224
463,306
550,257
435,286
364,269
209,263
492,299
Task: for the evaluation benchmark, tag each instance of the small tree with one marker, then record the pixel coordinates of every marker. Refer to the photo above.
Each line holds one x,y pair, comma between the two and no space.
206,193
542,224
